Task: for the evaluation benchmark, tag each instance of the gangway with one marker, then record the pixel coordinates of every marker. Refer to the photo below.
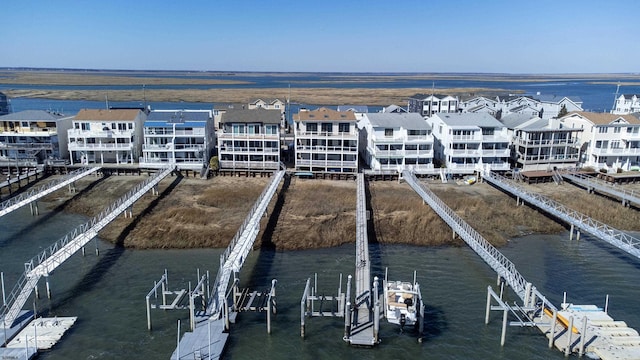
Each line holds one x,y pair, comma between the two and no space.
591,184
52,257
535,309
578,221
44,190
361,329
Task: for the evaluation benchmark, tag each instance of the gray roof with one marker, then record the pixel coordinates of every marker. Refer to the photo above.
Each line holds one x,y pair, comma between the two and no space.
259,115
355,108
394,108
178,116
514,120
31,115
556,98
410,121
469,119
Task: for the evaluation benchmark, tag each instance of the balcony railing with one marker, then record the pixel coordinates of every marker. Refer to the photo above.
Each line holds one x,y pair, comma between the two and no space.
257,150
326,149
249,165
470,138
316,134
463,152
616,151
549,158
495,153
325,163
26,146
100,133
165,147
170,132
234,136
547,142
100,146
401,153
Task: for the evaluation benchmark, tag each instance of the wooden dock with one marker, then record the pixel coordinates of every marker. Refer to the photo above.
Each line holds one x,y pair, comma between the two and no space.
207,341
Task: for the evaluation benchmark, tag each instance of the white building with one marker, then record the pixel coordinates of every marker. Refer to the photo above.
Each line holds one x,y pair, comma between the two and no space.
609,141
480,104
550,106
106,136
326,141
183,138
270,104
626,104
396,141
427,105
542,106
468,142
539,144
33,137
249,140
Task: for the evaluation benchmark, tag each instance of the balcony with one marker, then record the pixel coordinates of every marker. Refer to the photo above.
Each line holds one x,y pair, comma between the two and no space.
548,158
234,136
467,138
326,163
463,152
26,146
548,142
162,132
101,134
192,164
171,146
495,153
79,146
616,151
242,149
319,134
326,149
249,165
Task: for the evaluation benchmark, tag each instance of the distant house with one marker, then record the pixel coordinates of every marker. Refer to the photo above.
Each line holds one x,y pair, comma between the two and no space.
326,141
4,104
427,105
480,104
358,110
550,106
393,109
609,141
106,136
541,144
465,143
270,104
183,138
33,137
396,142
626,104
249,140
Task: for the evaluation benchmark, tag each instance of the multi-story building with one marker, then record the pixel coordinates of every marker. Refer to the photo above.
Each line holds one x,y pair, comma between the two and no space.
609,141
626,104
33,137
468,142
541,144
106,136
480,104
183,138
249,140
396,141
271,104
427,105
326,141
4,104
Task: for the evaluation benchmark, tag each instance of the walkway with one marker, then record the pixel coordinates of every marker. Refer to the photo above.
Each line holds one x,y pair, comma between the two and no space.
208,339
33,195
577,220
362,323
47,261
592,184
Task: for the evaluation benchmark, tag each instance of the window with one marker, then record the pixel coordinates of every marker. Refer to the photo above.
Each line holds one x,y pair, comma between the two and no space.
85,126
25,124
616,130
130,126
615,144
602,130
113,126
327,127
388,132
238,129
271,129
312,127
343,127
254,129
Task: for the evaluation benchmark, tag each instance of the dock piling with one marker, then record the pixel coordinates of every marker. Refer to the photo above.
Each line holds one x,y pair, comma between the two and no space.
567,349
504,327
554,321
583,336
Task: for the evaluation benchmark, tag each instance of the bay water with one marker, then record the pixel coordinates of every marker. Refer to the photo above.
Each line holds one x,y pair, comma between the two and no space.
107,294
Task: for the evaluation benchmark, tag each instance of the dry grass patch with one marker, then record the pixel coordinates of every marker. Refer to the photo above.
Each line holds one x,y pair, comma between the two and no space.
493,214
316,214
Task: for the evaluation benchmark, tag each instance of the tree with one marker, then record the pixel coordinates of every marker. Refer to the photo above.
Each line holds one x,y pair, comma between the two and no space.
563,111
214,164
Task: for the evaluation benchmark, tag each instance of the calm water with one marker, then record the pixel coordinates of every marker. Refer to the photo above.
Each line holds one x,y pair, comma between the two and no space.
107,293
596,93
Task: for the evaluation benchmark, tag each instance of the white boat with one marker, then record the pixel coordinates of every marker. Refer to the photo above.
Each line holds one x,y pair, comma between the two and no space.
403,303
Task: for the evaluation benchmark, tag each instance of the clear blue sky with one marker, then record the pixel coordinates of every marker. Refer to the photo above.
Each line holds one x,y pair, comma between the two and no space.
536,36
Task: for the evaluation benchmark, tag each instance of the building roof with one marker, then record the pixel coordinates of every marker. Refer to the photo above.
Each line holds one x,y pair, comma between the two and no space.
266,101
259,115
604,118
394,109
629,96
324,114
410,121
556,99
31,115
522,108
178,116
469,119
513,120
356,108
107,115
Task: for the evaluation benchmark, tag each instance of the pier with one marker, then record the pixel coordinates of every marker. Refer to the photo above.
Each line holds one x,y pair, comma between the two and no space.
598,334
208,335
31,197
578,222
48,260
593,184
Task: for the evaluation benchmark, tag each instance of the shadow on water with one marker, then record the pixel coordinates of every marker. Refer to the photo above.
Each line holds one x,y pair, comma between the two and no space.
111,256
24,232
375,250
267,247
435,322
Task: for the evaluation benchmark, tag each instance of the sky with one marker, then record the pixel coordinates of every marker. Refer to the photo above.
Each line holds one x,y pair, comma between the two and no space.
500,36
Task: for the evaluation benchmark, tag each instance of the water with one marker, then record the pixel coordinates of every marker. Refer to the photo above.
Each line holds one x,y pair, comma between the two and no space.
107,293
597,93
